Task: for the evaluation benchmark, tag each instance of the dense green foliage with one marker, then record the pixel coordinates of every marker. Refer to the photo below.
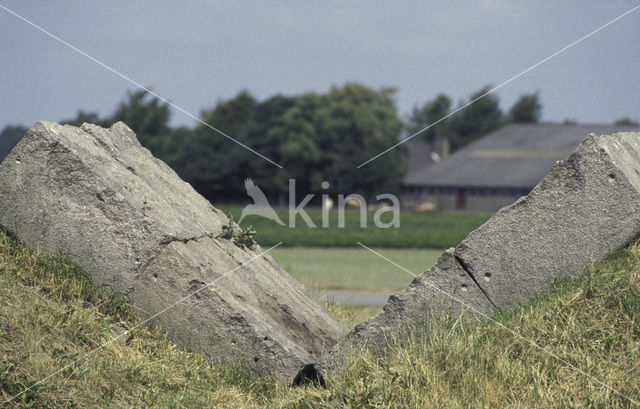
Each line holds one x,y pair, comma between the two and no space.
626,121
482,116
9,137
147,116
527,109
50,316
88,117
315,137
478,119
432,115
435,230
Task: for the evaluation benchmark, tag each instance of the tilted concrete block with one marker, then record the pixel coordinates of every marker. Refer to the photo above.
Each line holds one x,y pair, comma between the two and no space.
586,207
97,196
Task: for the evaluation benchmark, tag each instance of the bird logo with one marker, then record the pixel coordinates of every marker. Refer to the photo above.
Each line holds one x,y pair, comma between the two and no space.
260,206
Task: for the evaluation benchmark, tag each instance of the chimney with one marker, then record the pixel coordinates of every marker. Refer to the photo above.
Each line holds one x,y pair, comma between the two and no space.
441,146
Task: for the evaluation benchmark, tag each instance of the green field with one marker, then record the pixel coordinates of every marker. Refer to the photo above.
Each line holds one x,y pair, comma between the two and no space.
354,268
436,230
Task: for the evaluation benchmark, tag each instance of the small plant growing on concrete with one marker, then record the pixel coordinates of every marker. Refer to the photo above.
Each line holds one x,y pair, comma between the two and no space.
244,238
240,236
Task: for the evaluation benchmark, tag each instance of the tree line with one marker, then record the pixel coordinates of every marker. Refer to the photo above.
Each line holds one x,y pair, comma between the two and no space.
316,137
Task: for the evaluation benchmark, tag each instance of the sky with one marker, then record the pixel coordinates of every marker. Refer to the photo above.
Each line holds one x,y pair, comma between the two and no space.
196,52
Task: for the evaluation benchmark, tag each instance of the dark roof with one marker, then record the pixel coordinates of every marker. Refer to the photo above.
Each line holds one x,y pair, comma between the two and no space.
514,156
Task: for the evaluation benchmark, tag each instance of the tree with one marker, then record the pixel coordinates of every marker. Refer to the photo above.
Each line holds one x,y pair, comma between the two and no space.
429,113
315,137
175,148
88,117
147,116
9,137
353,124
263,136
476,120
296,130
216,165
626,121
231,117
526,110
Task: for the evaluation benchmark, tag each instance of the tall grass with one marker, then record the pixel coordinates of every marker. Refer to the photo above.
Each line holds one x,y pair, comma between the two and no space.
51,315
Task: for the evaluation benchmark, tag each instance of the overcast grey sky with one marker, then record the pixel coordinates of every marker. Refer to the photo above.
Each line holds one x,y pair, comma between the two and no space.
196,52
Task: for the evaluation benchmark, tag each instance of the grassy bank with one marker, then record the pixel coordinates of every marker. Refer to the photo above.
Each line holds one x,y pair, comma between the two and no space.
51,316
353,268
435,230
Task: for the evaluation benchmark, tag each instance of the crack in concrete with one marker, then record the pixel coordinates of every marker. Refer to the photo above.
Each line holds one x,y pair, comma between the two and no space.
172,239
466,269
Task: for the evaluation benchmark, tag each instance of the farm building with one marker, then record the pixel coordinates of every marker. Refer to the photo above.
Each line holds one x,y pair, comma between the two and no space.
495,170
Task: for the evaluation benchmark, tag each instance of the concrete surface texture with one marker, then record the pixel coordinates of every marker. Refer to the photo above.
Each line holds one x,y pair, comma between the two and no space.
587,206
97,196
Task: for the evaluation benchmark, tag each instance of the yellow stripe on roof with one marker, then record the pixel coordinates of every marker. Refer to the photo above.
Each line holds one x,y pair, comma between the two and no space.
519,154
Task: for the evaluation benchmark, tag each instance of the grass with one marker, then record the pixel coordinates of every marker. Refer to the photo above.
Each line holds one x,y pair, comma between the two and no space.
51,315
353,314
353,268
434,230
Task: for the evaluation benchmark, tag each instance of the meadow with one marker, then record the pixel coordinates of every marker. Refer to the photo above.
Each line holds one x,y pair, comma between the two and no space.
51,315
354,268
330,259
435,230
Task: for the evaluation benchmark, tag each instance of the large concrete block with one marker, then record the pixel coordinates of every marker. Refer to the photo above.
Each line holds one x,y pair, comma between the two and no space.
98,196
586,207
